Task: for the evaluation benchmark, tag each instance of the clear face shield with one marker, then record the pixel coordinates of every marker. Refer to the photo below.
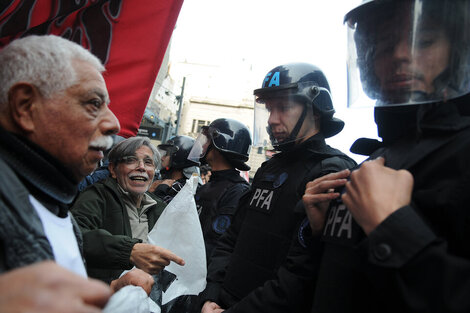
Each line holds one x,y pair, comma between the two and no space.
281,117
166,152
162,152
261,137
202,143
408,52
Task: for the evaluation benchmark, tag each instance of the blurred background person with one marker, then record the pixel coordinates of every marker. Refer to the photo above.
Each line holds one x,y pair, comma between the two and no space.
205,173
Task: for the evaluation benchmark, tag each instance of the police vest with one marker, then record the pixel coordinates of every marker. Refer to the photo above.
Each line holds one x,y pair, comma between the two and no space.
215,219
269,220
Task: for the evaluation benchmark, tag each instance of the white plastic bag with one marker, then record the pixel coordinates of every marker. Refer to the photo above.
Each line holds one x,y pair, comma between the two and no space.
178,229
129,299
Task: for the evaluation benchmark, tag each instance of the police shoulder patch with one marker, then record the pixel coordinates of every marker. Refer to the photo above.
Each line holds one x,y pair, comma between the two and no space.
304,226
221,223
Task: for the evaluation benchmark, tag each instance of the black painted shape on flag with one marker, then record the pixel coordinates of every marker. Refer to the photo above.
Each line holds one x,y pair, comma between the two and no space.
129,36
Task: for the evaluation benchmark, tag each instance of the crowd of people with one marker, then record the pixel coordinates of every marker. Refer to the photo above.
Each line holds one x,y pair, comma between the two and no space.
312,232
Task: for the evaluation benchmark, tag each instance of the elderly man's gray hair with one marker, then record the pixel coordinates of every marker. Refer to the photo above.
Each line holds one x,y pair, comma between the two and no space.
129,146
44,61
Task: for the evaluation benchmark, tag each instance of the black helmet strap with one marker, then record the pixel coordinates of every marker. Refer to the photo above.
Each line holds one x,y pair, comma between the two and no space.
295,131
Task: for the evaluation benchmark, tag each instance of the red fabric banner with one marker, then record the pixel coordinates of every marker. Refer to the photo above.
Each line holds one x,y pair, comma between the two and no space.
129,36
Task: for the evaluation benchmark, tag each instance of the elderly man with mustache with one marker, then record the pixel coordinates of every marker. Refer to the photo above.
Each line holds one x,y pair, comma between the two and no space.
116,214
55,124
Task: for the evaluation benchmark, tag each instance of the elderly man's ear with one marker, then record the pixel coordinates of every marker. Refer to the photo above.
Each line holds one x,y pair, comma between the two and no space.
23,101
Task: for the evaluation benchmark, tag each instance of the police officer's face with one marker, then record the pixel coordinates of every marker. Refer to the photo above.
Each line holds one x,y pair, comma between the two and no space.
166,161
283,116
409,63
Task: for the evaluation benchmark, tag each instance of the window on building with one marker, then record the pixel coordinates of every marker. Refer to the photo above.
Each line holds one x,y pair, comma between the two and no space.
194,126
197,125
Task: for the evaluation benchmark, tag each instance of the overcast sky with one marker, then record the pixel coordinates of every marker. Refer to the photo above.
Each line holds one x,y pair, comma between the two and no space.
267,33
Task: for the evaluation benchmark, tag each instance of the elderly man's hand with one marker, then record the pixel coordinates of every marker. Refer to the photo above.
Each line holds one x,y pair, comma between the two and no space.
49,288
211,307
152,259
135,277
317,197
375,191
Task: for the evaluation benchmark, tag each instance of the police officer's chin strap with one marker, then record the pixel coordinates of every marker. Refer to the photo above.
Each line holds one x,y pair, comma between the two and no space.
166,172
289,142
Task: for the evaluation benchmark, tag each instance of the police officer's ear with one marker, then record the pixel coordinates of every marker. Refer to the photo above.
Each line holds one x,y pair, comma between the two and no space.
316,115
23,100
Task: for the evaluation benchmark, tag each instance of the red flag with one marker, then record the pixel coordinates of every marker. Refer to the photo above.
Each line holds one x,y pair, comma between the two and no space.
130,37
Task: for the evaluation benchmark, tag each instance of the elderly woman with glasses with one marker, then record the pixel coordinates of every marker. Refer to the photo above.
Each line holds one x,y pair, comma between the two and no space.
116,214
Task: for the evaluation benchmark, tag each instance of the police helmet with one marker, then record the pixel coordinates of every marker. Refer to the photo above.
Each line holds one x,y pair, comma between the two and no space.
230,137
305,84
178,148
380,29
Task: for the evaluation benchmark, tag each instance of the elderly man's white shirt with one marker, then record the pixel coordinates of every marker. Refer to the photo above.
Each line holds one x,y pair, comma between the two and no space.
59,232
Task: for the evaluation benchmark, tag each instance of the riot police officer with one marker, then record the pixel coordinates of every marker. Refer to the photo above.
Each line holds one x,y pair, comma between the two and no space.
176,167
225,145
396,237
295,104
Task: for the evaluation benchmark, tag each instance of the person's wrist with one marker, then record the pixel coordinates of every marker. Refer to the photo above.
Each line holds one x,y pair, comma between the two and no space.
133,252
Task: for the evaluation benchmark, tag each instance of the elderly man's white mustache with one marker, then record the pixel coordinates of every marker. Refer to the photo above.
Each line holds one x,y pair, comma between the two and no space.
102,143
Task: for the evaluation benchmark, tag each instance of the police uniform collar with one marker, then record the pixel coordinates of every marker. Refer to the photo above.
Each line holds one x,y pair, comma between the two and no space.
443,117
316,143
49,179
221,175
400,123
397,122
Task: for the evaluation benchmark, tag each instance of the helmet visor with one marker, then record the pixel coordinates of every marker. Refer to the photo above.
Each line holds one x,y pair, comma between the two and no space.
408,52
261,137
162,152
201,145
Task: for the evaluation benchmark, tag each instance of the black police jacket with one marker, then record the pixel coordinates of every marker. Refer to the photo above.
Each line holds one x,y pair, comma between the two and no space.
255,246
418,259
217,202
167,193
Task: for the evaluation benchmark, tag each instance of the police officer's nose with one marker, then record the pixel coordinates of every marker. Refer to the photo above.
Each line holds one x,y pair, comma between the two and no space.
273,117
402,50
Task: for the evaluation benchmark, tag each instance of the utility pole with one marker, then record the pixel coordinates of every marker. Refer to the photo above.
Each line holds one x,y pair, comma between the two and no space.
180,107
